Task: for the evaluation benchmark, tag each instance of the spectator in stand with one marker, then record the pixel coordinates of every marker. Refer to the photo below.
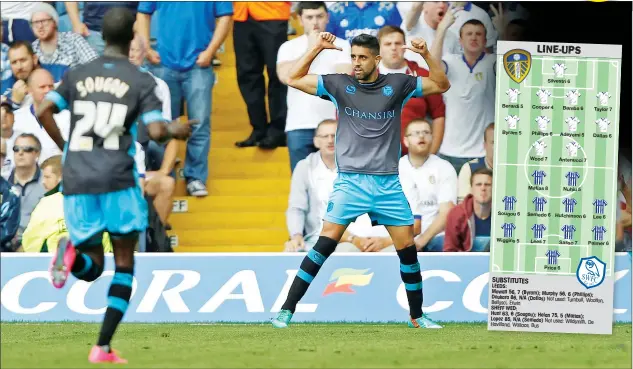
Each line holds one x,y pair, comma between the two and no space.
471,98
467,10
5,65
392,40
484,162
430,185
8,134
57,51
23,62
468,224
92,22
15,21
26,178
39,84
47,226
349,19
305,111
310,188
9,216
422,19
260,30
187,41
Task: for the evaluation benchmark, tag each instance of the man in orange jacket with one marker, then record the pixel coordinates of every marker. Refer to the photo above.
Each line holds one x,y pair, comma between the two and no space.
260,28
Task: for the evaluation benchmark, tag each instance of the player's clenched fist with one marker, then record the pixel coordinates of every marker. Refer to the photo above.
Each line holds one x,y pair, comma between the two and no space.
325,40
418,45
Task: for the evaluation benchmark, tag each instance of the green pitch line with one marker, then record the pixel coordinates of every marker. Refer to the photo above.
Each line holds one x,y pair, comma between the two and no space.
313,346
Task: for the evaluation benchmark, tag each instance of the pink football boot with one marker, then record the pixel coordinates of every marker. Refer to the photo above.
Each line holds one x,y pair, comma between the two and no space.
62,262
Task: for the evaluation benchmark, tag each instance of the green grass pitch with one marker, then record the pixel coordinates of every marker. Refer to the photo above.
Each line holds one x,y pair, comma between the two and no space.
66,345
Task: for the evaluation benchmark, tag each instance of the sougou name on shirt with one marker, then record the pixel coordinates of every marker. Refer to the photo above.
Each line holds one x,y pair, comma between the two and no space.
113,86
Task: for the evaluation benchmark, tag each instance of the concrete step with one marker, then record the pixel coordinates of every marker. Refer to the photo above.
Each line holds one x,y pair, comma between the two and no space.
227,220
237,203
242,237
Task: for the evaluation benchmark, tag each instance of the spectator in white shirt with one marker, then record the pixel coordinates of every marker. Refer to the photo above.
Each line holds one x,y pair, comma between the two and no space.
310,189
40,82
430,185
471,98
8,134
469,168
422,20
467,10
306,111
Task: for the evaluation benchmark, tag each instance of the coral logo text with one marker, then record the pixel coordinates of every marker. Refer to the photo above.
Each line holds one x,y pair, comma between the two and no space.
342,280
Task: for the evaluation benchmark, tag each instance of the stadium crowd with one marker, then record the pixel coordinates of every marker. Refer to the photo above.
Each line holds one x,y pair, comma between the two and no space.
447,140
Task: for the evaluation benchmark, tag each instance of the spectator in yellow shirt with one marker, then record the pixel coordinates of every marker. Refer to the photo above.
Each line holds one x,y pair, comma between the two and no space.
47,226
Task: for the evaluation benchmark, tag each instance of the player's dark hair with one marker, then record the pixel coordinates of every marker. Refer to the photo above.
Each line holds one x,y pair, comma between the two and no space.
387,30
33,137
367,41
310,5
488,127
118,27
18,44
474,22
483,170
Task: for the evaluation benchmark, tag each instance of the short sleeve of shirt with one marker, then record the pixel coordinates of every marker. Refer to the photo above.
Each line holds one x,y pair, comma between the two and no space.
328,85
412,85
223,8
150,105
285,53
61,95
147,7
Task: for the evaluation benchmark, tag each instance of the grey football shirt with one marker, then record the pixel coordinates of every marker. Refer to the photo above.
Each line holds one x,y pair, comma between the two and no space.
368,133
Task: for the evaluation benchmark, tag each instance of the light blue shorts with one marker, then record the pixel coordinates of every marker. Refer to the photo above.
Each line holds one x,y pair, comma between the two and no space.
380,196
119,213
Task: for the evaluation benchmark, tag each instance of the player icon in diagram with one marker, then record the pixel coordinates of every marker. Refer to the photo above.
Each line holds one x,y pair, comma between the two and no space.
603,124
539,147
513,95
542,122
603,98
543,95
559,69
572,148
572,97
512,121
572,123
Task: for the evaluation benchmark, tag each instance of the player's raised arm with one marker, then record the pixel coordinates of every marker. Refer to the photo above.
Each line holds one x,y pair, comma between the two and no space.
52,104
436,82
298,76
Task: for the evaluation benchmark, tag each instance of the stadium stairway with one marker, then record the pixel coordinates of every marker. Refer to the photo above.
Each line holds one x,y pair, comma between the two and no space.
248,187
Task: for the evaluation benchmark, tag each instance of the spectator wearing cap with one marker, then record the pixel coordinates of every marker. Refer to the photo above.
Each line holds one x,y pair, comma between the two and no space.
189,35
57,51
23,62
8,134
26,178
39,84
91,25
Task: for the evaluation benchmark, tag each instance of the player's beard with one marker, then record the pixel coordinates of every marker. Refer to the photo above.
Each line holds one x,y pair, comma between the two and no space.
365,76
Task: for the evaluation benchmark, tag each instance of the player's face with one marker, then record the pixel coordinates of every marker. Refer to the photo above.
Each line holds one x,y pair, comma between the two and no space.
6,119
49,179
482,189
473,38
314,20
22,64
436,11
325,138
418,138
364,62
44,26
391,50
489,144
25,152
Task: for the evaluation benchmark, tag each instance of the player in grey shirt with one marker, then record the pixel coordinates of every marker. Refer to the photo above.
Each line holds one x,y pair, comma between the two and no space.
367,153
